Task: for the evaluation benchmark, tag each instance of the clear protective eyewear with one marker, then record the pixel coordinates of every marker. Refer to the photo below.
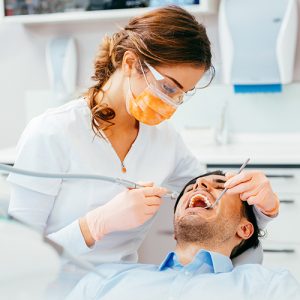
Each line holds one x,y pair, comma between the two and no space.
170,89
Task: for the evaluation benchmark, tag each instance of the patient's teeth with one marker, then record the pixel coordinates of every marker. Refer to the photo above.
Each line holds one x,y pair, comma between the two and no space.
207,202
204,198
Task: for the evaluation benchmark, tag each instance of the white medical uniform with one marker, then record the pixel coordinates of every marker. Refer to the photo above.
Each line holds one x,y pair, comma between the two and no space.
62,141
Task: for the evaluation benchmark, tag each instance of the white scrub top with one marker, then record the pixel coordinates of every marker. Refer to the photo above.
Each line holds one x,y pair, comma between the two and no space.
62,141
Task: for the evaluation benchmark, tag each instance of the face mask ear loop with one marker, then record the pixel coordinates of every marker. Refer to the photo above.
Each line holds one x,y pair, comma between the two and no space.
129,95
129,88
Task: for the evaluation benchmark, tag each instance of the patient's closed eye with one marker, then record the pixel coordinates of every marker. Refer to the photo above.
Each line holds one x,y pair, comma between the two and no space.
220,181
189,188
220,187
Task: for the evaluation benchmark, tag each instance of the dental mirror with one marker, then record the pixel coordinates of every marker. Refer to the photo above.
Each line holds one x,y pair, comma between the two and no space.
226,189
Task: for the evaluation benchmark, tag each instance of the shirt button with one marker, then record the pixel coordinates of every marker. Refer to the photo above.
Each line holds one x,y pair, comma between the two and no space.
187,273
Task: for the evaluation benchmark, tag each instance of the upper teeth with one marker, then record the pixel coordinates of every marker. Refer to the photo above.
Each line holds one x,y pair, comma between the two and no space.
204,198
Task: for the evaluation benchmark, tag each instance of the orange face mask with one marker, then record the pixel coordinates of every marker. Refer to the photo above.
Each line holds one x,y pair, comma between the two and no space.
150,107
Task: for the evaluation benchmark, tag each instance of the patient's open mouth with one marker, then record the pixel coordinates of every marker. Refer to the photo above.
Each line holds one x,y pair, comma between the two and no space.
199,200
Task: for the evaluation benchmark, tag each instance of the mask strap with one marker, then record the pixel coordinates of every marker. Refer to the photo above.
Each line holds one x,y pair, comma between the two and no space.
129,89
129,95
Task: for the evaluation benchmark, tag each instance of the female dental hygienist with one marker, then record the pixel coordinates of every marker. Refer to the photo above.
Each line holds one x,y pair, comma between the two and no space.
143,73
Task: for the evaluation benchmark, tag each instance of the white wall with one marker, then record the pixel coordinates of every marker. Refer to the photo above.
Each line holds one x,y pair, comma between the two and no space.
22,67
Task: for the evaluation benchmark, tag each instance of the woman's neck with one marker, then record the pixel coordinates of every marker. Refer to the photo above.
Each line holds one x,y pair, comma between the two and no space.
113,96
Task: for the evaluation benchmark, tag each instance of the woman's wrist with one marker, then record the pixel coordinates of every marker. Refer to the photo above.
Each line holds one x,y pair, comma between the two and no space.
274,211
86,233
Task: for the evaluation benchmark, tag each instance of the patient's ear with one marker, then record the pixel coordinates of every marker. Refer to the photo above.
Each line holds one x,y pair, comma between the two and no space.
245,229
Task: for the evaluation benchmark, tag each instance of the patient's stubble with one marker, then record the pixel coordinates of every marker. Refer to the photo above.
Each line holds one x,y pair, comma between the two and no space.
191,229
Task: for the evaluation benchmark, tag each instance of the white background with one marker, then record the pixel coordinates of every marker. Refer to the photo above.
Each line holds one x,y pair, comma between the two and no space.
23,67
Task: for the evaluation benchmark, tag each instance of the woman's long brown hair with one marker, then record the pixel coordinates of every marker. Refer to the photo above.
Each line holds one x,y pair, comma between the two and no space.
164,36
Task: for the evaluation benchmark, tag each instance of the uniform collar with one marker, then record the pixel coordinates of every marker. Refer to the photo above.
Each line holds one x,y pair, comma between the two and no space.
219,263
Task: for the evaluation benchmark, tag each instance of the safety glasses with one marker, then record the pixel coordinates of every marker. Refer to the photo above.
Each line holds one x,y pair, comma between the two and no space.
170,89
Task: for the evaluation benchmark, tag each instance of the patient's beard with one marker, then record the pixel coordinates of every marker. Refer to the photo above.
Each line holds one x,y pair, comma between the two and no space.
204,233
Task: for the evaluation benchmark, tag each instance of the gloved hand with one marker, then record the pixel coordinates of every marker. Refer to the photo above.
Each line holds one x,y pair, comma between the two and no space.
126,210
255,188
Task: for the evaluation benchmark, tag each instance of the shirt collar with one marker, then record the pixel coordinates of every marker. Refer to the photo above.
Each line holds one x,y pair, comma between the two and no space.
167,262
219,262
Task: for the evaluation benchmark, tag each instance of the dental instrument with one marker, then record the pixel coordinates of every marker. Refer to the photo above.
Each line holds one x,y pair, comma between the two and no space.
126,183
226,189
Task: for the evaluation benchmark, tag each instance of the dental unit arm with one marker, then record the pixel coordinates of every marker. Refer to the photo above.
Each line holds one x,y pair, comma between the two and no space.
126,183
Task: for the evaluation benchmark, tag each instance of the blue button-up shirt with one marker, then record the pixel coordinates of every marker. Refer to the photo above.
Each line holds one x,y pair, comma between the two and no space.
209,276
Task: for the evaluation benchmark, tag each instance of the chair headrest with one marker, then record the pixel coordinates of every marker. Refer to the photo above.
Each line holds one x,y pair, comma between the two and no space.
250,256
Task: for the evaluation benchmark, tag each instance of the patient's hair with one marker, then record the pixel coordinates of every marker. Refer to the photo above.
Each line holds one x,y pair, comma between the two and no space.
247,212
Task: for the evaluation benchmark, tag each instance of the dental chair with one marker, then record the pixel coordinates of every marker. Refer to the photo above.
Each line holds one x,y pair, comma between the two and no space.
4,195
250,256
28,265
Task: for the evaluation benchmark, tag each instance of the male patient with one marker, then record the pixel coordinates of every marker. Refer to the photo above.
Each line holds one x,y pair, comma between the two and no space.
200,267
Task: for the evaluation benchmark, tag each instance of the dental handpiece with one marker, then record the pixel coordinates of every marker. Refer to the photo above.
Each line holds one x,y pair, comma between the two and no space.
133,185
124,182
226,189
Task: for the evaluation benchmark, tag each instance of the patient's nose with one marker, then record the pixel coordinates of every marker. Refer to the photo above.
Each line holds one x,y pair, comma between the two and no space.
203,183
